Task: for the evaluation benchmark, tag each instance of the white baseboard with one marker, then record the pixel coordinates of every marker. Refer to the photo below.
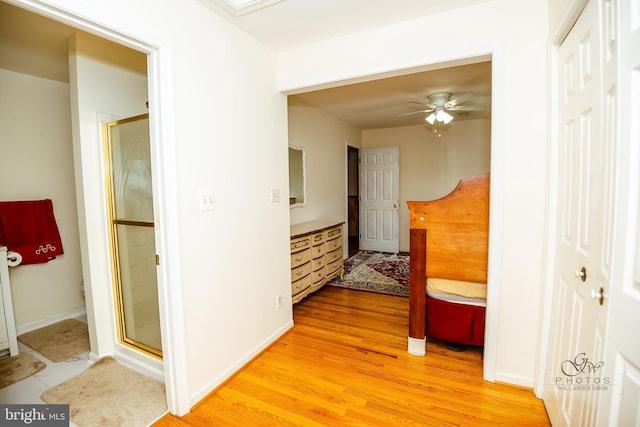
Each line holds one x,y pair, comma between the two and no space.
514,379
32,326
140,362
227,373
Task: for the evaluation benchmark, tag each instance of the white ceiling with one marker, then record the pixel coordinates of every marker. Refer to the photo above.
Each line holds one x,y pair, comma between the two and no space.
376,104
35,45
287,24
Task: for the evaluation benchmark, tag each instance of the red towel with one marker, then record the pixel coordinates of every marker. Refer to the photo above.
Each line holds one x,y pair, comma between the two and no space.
29,228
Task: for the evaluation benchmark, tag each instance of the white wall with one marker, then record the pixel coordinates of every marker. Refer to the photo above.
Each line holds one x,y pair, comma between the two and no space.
516,31
430,168
224,129
323,138
36,162
109,80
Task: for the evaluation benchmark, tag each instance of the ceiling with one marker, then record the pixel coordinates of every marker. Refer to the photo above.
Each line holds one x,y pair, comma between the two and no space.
378,103
287,24
35,45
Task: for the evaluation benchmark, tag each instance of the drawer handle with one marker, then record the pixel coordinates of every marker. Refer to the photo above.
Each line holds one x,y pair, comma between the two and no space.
298,273
298,259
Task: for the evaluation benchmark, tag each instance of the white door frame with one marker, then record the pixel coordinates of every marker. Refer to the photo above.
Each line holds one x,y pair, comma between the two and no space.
165,196
496,54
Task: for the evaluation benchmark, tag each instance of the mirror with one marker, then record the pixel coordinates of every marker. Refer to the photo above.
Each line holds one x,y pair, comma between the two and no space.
297,184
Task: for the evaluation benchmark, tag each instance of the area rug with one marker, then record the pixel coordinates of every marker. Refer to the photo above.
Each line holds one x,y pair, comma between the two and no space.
110,394
19,367
376,272
59,342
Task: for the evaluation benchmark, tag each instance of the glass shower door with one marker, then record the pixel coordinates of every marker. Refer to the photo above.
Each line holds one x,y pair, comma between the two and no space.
133,250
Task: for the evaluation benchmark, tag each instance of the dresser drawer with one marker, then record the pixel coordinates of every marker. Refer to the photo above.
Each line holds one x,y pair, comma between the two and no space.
334,266
300,244
317,251
318,263
300,271
333,244
317,239
301,285
333,255
333,233
300,258
318,275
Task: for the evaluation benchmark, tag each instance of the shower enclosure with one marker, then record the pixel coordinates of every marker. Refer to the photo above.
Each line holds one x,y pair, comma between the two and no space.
132,237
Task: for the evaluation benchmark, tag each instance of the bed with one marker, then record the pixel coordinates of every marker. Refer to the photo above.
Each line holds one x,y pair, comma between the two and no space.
448,266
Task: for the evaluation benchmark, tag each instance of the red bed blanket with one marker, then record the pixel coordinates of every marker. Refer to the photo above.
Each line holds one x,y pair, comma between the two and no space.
455,322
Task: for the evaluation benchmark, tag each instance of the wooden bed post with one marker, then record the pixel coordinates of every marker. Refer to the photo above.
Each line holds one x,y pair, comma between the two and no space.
417,292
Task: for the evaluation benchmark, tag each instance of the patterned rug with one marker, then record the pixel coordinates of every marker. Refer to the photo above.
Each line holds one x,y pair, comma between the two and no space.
379,272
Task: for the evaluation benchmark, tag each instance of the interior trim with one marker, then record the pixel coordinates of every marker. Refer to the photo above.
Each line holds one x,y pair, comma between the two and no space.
243,7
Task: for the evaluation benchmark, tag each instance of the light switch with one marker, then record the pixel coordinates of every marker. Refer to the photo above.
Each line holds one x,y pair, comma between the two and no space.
207,202
275,195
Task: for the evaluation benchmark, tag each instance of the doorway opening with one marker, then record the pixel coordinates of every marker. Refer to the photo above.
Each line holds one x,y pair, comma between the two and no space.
353,200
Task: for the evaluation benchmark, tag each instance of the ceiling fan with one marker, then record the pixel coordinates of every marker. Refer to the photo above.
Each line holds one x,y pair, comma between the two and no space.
440,104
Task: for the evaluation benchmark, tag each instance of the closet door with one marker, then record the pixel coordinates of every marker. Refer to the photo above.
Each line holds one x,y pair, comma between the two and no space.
575,370
620,406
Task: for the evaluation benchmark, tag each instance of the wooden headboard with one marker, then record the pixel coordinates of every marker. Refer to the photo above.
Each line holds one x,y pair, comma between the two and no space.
457,233
449,240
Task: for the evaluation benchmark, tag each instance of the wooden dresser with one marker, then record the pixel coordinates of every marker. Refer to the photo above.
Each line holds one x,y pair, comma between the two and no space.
316,256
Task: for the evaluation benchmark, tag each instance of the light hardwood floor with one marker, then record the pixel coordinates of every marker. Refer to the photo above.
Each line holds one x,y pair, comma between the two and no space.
345,364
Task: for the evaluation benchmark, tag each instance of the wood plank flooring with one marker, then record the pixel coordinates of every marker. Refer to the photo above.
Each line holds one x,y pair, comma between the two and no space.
345,364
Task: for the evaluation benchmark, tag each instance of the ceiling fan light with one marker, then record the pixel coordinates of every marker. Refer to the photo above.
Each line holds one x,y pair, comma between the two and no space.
444,117
431,118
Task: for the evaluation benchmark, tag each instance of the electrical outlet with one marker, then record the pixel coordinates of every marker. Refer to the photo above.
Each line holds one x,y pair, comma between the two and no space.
278,300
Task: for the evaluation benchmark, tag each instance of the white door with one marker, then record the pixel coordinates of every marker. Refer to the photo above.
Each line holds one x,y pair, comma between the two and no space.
621,406
379,204
575,368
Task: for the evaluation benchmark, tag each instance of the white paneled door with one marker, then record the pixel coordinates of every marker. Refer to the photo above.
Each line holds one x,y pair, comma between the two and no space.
621,407
379,199
584,227
595,292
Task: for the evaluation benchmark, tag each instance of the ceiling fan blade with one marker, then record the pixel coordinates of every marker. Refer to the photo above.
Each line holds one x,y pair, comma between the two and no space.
466,108
414,112
423,104
458,100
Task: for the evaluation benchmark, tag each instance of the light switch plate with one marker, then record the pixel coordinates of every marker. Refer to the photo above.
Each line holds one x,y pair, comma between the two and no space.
207,201
275,195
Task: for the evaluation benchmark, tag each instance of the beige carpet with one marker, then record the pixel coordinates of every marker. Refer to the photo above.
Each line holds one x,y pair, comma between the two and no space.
16,368
59,342
110,394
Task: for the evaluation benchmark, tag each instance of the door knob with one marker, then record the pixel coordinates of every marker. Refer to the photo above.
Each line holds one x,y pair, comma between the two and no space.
395,205
582,274
599,295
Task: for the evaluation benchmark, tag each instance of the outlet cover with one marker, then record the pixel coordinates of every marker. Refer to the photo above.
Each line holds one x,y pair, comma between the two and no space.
207,201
